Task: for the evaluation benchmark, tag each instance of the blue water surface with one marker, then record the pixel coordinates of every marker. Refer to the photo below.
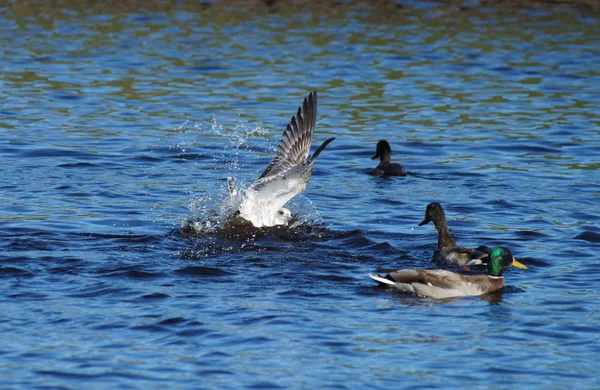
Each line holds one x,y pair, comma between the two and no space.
120,123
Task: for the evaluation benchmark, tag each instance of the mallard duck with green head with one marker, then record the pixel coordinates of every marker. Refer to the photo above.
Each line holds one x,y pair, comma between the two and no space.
448,252
440,284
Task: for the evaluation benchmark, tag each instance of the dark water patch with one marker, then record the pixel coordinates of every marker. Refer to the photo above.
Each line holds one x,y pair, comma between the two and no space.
551,334
247,234
584,216
336,344
257,262
29,296
111,326
55,152
192,156
504,69
66,95
510,289
203,271
583,329
155,296
501,203
530,234
451,176
71,268
384,248
121,238
400,58
588,236
29,244
152,328
207,69
533,149
102,376
280,322
354,239
217,355
210,373
133,272
365,259
468,64
145,158
98,290
77,165
253,340
42,59
334,278
539,223
391,202
173,321
192,332
14,271
303,293
264,385
257,320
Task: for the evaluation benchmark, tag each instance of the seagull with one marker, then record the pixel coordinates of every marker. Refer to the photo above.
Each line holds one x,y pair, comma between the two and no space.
286,175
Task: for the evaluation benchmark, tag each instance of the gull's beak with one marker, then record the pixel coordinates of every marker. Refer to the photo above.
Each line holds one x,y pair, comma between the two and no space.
515,263
424,221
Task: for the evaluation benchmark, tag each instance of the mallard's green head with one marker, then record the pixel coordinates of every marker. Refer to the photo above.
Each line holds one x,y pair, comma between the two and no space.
383,152
499,259
433,213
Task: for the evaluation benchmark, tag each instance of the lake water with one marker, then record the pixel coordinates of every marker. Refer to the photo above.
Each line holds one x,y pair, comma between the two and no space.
119,122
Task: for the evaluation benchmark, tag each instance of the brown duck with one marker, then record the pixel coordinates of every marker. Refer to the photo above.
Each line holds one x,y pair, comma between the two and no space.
448,252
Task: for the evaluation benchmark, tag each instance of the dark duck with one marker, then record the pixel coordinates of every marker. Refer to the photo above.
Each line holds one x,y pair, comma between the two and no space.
385,167
448,252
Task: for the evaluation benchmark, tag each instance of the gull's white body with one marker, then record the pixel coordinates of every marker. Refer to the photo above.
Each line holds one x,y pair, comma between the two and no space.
264,206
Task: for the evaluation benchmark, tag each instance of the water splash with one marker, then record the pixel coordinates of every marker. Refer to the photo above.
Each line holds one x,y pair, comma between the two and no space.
304,212
211,211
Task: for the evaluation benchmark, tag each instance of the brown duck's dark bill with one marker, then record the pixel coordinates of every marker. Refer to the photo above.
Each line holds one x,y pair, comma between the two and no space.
423,222
374,157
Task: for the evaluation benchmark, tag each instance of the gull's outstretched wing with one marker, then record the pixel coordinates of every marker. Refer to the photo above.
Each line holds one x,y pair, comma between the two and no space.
294,145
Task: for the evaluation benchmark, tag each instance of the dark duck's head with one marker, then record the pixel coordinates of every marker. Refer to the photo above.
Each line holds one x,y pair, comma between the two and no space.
383,152
434,213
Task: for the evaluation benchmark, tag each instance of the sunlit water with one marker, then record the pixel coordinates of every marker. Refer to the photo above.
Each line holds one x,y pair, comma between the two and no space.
118,125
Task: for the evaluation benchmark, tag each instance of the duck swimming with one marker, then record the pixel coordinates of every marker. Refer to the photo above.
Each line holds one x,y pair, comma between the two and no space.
448,252
286,175
440,284
385,167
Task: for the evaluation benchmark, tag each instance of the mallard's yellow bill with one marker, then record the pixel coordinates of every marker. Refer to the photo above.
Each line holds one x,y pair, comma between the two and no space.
515,263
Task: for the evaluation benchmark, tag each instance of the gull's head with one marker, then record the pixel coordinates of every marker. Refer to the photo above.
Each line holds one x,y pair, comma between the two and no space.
283,216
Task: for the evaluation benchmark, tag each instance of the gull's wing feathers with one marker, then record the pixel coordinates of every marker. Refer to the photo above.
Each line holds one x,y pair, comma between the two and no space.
294,145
